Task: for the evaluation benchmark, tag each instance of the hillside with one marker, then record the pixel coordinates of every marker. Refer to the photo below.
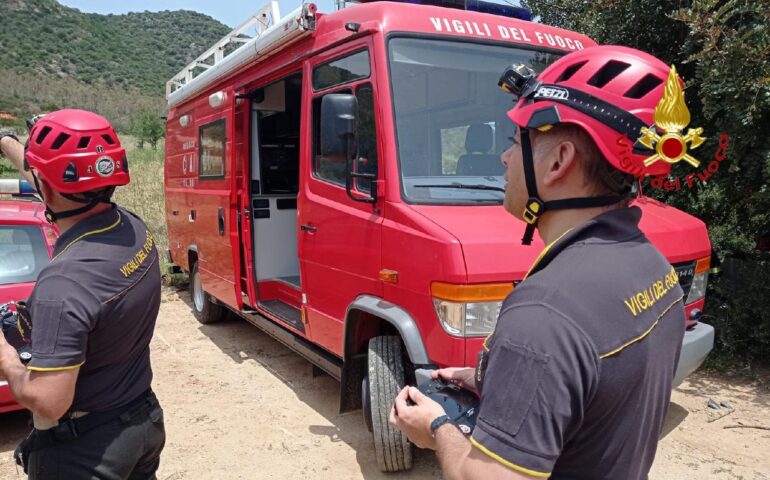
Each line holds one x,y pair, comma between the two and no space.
139,50
57,57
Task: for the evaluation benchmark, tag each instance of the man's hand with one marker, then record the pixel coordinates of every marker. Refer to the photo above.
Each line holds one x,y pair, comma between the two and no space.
414,420
463,377
14,151
48,394
8,358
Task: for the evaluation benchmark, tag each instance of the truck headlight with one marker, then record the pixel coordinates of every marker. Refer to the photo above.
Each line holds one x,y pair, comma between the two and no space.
699,280
469,310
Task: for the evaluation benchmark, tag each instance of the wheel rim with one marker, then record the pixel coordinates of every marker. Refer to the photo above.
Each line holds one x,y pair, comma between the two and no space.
197,292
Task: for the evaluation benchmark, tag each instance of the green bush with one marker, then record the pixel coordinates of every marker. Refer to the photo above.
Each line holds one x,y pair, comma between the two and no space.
148,128
740,296
721,49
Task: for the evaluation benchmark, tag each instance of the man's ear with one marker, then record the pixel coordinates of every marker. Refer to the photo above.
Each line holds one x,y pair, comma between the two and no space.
561,162
48,193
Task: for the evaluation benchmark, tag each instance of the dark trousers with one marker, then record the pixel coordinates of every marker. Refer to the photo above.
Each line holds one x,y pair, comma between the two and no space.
124,449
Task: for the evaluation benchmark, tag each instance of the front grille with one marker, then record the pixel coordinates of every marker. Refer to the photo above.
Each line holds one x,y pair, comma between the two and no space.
686,272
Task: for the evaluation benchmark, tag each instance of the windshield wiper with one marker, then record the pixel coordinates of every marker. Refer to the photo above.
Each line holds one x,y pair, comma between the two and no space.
464,186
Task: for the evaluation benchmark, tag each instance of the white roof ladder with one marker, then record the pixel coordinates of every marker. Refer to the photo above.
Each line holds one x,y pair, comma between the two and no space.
270,34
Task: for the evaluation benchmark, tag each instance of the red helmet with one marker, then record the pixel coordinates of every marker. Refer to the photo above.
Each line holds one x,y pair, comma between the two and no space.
610,91
76,151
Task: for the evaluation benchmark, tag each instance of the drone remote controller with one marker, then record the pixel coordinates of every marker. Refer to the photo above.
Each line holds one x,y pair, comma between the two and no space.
461,405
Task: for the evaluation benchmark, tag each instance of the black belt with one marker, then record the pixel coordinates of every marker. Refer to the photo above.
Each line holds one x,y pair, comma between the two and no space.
70,428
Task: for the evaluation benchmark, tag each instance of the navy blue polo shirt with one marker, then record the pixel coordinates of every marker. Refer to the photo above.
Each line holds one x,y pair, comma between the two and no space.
94,307
576,379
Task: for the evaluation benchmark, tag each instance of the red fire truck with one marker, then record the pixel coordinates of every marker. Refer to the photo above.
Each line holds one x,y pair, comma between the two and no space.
322,176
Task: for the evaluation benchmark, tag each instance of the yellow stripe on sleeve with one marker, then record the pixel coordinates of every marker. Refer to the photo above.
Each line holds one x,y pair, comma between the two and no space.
508,464
55,369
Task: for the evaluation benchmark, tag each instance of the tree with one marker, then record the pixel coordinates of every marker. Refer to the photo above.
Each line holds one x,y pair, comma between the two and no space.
148,128
721,49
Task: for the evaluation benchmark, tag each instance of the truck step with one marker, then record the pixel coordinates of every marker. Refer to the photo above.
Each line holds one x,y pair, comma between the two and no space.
292,280
284,312
310,352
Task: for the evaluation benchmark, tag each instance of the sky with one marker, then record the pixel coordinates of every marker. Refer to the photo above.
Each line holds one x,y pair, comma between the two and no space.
229,12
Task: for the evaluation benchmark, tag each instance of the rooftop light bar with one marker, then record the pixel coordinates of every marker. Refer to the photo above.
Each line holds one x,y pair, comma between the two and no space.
473,6
14,186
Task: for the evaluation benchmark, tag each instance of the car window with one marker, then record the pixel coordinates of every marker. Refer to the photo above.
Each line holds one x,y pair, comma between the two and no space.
23,253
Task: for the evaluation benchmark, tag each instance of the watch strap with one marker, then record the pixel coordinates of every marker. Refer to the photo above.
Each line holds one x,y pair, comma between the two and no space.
438,422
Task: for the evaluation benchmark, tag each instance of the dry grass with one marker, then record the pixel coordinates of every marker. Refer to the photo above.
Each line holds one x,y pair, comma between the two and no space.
143,196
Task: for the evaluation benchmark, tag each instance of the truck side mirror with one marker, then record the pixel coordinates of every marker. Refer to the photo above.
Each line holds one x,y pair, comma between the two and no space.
339,122
339,128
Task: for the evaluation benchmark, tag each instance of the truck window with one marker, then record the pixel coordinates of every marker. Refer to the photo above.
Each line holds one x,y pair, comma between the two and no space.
331,170
342,70
451,123
367,136
211,154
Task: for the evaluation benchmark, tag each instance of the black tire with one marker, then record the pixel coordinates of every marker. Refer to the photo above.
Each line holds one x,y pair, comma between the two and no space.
385,379
204,308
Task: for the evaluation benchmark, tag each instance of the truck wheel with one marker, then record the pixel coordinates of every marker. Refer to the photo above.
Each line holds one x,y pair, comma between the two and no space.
205,310
383,382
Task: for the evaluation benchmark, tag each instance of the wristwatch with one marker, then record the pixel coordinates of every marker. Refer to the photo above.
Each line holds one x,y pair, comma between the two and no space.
438,422
8,133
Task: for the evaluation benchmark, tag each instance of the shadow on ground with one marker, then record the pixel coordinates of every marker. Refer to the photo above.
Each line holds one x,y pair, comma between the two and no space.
726,387
242,341
14,426
675,416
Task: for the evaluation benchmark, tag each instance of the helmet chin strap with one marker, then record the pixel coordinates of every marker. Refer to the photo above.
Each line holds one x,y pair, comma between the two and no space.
90,203
536,207
52,216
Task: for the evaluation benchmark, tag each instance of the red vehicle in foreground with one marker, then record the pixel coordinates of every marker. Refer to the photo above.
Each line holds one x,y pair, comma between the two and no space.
26,246
325,180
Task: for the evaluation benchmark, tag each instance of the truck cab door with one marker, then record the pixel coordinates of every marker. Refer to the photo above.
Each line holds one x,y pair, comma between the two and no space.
340,239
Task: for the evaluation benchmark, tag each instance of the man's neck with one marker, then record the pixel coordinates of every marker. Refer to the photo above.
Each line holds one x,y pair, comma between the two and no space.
65,224
556,223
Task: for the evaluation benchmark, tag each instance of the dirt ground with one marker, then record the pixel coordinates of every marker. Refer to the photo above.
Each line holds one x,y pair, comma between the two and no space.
239,405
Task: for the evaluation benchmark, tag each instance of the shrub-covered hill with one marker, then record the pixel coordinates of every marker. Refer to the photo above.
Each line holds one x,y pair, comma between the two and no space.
133,51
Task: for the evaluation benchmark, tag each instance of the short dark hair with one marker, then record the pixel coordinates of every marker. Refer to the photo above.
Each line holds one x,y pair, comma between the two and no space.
85,197
600,175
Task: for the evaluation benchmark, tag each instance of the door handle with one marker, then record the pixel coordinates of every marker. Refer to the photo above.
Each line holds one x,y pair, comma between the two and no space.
221,219
191,217
308,228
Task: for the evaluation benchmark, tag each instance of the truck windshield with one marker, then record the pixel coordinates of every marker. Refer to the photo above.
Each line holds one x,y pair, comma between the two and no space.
451,121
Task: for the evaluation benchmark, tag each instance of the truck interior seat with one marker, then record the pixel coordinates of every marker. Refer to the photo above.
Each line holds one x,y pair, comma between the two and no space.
477,161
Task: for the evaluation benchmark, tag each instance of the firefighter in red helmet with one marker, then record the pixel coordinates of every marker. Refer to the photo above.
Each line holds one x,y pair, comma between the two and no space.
573,383
93,312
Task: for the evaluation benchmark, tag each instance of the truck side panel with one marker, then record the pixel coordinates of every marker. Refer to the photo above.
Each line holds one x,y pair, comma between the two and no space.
199,169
